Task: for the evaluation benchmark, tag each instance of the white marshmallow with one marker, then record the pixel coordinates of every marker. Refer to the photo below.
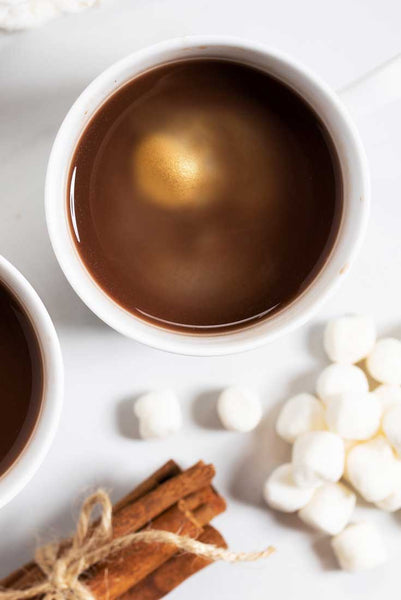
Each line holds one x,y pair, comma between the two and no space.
371,469
281,493
330,508
338,378
388,395
300,414
392,427
317,457
359,547
349,339
354,416
393,502
384,361
239,409
159,414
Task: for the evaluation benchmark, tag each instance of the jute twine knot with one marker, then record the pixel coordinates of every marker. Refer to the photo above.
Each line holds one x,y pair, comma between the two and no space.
63,564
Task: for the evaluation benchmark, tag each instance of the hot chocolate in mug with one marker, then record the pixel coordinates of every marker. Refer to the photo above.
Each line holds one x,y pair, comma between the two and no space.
355,192
34,375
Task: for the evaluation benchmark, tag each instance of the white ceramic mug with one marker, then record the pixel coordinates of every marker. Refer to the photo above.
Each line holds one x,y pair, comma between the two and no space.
31,457
354,174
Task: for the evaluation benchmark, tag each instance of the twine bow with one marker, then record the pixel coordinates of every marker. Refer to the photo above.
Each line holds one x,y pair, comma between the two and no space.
63,564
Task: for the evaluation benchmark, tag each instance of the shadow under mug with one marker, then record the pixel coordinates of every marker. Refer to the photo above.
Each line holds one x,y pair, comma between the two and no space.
34,452
354,172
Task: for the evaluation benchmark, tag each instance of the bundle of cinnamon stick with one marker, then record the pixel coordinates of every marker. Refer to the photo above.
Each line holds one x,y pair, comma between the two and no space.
182,502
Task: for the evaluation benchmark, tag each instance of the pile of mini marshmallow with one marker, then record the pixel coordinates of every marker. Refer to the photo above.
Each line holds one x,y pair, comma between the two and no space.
345,431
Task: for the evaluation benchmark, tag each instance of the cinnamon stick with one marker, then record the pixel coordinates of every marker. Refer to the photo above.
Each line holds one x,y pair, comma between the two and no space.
132,516
145,508
142,511
174,571
111,580
167,471
107,581
30,573
206,500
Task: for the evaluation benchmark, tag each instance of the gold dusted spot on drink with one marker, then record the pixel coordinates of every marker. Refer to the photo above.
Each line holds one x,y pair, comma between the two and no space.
175,171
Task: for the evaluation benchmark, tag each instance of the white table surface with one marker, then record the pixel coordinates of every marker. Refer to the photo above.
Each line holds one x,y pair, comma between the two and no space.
41,73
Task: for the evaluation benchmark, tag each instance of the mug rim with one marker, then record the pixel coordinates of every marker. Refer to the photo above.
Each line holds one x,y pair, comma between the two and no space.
351,156
33,453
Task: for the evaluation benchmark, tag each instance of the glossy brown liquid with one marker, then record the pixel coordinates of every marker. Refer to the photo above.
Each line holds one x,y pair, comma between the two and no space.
21,382
204,195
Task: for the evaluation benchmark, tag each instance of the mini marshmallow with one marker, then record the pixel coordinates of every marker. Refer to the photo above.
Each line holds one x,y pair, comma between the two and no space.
317,457
393,502
354,416
159,414
281,493
300,414
392,427
338,378
330,508
388,395
349,339
371,468
359,547
384,361
239,409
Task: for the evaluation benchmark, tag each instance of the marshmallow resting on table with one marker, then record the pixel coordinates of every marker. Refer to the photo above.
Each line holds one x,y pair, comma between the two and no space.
359,547
330,508
393,502
388,395
371,468
317,457
392,427
239,409
281,492
300,414
338,378
354,415
384,361
159,414
349,339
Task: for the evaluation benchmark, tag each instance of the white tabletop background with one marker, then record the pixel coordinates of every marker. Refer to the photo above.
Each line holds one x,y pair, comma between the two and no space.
41,73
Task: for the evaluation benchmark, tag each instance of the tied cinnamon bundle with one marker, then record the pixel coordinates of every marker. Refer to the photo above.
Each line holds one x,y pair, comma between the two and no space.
120,556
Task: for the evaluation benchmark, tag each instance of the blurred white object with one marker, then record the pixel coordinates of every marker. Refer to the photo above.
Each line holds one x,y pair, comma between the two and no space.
359,547
239,409
388,395
372,469
281,493
392,427
300,414
317,457
159,414
330,508
338,378
354,416
349,339
393,502
26,14
384,361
